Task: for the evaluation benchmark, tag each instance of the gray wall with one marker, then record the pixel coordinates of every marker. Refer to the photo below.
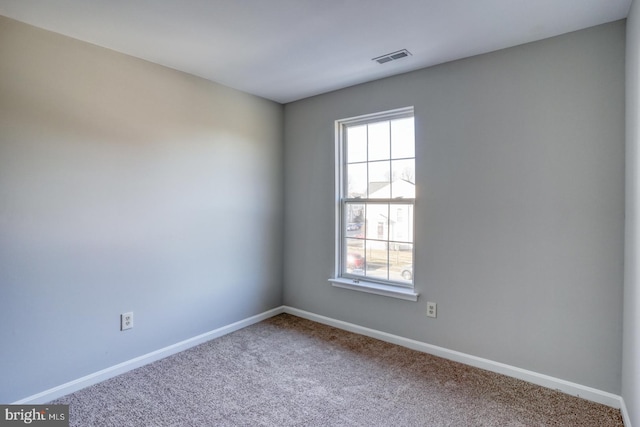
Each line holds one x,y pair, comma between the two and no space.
631,349
125,186
520,181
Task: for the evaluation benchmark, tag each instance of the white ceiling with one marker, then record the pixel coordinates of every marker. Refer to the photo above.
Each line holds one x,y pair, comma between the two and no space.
286,50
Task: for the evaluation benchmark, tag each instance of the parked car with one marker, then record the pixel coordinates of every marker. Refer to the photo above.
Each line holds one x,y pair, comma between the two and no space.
407,273
355,261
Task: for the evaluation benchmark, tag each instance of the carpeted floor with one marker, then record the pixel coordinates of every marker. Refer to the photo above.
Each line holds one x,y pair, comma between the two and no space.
288,371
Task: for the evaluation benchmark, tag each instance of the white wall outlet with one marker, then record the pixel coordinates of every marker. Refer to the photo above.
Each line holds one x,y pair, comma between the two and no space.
126,321
432,309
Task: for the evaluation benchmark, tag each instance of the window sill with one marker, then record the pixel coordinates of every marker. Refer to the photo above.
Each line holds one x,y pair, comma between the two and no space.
376,288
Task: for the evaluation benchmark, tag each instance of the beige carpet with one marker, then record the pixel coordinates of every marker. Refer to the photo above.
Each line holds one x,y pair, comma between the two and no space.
288,371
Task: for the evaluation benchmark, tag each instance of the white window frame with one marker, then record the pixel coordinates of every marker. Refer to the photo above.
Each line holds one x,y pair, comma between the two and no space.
341,279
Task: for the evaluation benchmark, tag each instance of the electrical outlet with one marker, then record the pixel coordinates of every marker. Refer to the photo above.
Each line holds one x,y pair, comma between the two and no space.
126,321
432,309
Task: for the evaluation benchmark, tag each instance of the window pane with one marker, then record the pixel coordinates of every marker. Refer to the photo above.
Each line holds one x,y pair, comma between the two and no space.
377,264
379,184
357,180
379,145
354,220
354,262
357,144
401,262
403,173
401,223
377,193
402,138
377,221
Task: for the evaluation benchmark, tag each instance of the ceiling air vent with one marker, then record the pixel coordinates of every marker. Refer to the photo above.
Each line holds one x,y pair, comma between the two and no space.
393,56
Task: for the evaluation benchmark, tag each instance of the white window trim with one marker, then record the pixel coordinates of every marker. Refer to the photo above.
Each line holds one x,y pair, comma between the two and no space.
407,293
392,291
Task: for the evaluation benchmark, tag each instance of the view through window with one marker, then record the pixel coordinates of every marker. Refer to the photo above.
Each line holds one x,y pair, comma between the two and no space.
377,197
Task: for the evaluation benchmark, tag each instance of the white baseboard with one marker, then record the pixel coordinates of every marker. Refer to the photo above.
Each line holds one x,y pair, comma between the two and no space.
567,387
625,414
96,377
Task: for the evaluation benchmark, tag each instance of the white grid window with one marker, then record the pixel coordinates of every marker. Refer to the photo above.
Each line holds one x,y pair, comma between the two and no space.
376,198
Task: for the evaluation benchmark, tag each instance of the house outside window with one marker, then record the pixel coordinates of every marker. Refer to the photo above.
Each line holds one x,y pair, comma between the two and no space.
376,199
